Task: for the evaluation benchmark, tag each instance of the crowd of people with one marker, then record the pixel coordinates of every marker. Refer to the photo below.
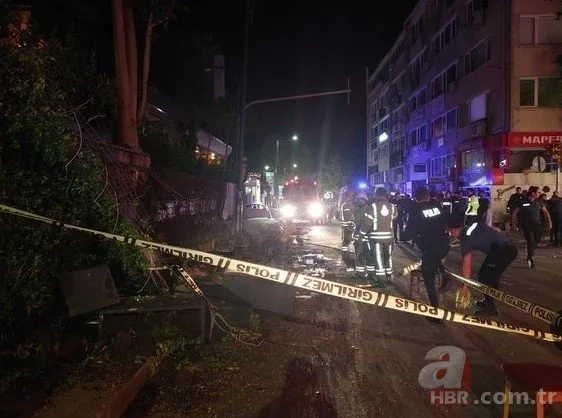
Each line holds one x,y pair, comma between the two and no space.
432,221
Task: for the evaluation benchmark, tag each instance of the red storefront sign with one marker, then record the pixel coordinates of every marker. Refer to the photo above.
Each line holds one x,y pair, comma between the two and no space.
497,176
533,139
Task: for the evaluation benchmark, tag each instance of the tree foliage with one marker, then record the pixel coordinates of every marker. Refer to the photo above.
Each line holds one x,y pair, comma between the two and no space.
46,169
334,174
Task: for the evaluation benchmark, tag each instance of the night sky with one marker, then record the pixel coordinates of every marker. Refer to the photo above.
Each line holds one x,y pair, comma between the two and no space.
303,47
295,48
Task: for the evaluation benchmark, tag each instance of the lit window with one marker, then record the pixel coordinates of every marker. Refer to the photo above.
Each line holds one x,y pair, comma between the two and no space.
478,107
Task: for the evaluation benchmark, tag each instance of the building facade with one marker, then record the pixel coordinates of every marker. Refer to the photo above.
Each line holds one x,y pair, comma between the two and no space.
478,102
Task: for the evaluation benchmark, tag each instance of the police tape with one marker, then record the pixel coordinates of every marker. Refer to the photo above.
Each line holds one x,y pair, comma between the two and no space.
184,275
414,266
535,310
302,281
546,315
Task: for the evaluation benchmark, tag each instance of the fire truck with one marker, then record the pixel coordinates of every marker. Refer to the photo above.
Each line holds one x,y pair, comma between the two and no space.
301,202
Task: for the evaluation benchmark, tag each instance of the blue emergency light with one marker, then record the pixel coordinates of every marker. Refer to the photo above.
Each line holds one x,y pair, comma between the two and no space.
362,185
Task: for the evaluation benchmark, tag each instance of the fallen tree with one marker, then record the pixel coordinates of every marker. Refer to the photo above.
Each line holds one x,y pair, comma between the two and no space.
46,169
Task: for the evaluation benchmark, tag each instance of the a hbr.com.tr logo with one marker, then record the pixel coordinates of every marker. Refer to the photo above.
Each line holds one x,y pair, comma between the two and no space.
447,376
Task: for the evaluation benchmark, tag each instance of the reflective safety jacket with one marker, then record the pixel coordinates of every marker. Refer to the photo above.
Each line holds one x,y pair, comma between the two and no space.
346,216
378,222
472,206
359,211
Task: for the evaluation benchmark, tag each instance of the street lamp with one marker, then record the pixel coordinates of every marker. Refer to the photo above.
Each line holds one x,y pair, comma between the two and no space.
295,138
266,168
295,165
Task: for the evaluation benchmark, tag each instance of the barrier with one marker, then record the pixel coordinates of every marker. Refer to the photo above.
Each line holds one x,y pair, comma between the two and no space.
302,281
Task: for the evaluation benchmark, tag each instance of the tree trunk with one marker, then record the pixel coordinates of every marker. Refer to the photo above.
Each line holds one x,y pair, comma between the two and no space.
132,57
127,133
145,69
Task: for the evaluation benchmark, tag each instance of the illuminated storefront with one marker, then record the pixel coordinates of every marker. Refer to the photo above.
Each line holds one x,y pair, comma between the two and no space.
478,161
486,162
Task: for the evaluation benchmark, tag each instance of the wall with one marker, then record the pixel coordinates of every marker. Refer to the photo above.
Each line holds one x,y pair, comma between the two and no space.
532,61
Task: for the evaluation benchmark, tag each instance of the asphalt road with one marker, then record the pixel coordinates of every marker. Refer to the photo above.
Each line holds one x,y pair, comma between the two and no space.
371,357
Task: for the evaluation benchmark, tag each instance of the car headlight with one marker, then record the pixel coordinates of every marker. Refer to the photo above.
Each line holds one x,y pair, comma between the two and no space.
315,210
288,211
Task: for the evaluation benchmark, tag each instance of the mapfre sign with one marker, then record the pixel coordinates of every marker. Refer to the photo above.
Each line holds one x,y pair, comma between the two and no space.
533,139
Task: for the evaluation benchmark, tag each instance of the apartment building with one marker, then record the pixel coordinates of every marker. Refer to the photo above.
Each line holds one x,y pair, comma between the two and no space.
387,90
480,96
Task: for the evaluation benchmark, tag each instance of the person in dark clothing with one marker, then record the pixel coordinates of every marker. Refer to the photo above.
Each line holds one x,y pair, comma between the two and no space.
514,200
556,205
361,207
347,229
499,250
553,216
447,203
531,210
458,204
428,226
398,225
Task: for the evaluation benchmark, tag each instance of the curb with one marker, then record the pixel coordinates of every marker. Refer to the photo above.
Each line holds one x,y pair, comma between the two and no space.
121,401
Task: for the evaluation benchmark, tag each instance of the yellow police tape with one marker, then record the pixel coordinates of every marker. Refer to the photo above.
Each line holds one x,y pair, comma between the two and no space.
302,281
536,311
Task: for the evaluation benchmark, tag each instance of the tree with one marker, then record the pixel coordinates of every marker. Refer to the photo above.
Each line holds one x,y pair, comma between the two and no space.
130,107
333,176
46,167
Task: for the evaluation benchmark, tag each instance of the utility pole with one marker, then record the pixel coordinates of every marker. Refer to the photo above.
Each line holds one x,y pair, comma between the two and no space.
242,124
242,119
276,179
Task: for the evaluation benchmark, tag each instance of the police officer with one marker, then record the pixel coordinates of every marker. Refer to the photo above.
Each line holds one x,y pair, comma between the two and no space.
458,206
472,207
447,203
361,207
377,228
514,200
428,226
347,229
499,250
531,209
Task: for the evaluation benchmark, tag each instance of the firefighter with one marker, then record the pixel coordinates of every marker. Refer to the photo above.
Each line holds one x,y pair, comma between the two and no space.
377,228
361,206
428,226
347,229
472,207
